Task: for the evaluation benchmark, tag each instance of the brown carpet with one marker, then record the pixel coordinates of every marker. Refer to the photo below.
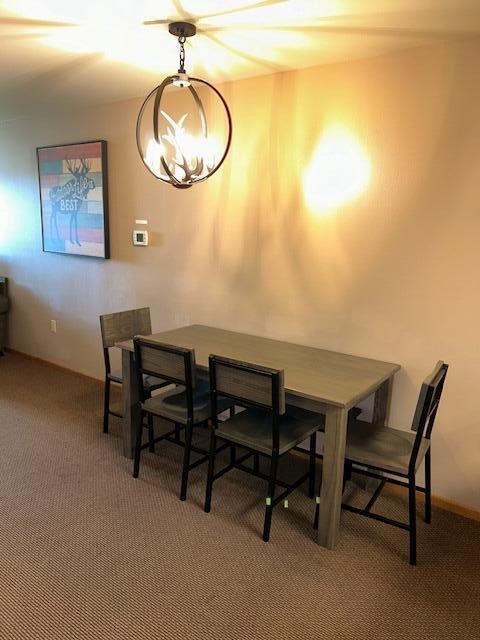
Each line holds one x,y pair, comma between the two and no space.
87,552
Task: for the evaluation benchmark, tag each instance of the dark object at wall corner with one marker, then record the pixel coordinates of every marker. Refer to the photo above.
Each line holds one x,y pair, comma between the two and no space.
4,305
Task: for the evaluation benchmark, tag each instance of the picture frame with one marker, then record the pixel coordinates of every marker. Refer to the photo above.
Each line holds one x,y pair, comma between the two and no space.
73,186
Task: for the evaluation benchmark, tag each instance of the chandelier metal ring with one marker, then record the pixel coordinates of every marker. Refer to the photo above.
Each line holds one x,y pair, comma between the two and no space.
192,175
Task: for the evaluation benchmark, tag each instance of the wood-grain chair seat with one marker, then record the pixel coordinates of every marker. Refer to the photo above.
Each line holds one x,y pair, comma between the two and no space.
186,406
374,450
117,327
267,427
150,383
252,428
383,447
115,377
173,405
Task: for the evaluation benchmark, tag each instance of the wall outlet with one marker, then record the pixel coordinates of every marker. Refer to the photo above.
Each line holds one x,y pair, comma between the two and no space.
53,326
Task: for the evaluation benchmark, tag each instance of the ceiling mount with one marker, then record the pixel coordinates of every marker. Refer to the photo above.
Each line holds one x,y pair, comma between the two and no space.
182,29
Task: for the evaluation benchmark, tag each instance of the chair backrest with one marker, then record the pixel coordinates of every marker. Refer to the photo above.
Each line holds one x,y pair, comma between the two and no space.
248,384
124,325
166,361
427,406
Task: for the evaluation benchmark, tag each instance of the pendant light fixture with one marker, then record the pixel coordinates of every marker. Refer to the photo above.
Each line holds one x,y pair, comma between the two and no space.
184,127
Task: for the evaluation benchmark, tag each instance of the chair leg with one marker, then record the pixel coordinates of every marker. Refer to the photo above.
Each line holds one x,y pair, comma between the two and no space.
312,464
317,511
232,411
347,474
317,516
138,446
186,461
270,497
177,432
151,434
256,462
428,487
106,405
211,470
233,454
412,519
347,470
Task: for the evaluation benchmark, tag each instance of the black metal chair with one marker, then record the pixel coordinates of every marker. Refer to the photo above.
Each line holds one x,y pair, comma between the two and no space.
373,450
267,427
186,406
117,327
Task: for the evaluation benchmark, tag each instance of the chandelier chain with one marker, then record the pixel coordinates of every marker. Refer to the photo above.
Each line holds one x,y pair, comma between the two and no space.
182,40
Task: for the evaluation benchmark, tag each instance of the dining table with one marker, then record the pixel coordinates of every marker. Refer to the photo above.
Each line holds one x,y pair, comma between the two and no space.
316,379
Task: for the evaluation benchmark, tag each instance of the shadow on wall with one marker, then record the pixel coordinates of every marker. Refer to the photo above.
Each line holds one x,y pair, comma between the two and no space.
349,269
262,239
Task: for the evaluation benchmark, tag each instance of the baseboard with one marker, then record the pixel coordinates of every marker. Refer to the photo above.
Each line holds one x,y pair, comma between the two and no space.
441,503
437,501
28,356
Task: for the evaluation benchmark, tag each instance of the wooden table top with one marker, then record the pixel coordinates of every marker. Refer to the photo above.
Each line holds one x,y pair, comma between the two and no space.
317,374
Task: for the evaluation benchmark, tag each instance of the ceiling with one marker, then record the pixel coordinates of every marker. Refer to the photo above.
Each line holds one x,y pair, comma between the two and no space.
57,54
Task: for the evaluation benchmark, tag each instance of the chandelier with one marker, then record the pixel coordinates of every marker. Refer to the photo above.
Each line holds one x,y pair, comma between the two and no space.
184,127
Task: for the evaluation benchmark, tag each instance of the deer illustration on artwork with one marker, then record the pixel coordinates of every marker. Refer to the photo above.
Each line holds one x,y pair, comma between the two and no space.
67,199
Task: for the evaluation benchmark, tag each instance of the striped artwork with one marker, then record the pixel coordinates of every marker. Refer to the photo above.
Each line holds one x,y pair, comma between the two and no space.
73,197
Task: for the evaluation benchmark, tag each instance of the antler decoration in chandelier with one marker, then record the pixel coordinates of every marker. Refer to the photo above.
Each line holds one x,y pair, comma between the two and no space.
176,149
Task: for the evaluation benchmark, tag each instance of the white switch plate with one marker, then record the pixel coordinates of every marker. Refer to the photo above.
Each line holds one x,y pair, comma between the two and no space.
53,326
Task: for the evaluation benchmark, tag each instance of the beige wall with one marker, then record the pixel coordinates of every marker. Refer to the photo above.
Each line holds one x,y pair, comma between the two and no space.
394,274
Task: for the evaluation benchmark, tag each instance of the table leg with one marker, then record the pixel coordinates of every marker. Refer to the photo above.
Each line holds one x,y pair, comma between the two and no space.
381,406
131,405
381,411
332,476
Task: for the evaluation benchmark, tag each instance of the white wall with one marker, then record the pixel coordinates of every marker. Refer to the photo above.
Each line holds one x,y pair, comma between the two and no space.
394,274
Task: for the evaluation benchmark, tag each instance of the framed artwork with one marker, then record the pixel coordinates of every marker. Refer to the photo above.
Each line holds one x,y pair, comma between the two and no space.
74,198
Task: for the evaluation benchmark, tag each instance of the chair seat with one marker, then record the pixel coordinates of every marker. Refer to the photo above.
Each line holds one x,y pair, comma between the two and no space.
149,382
203,374
115,377
252,428
382,447
172,405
